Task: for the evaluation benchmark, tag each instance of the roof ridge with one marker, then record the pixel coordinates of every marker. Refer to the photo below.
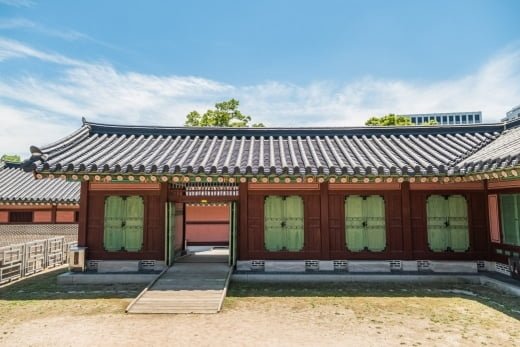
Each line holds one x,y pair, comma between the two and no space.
147,130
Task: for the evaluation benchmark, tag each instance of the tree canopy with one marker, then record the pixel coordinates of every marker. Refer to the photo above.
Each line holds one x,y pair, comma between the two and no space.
394,120
225,114
11,158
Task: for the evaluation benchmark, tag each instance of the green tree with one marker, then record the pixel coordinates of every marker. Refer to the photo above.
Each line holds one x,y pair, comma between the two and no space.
225,114
11,158
389,120
395,120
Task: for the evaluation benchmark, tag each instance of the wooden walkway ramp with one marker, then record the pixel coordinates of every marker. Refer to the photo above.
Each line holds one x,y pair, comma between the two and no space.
185,288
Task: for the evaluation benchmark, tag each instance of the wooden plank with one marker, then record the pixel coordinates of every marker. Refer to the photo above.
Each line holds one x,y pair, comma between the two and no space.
185,288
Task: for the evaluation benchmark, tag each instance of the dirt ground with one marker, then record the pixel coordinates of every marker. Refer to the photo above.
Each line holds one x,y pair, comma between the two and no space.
40,313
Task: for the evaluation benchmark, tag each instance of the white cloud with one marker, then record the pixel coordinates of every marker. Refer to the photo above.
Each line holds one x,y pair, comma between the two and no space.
22,23
17,3
41,110
10,49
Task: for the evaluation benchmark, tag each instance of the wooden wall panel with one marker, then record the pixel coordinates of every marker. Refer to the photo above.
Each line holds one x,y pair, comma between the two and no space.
337,223
255,226
42,216
65,216
478,223
207,213
394,226
4,216
179,227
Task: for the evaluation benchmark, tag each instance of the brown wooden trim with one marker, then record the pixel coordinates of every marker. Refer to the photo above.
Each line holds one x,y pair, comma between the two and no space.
213,243
505,247
504,184
207,222
25,207
200,199
83,215
53,214
364,186
284,192
324,227
68,207
447,186
284,186
242,233
125,186
406,216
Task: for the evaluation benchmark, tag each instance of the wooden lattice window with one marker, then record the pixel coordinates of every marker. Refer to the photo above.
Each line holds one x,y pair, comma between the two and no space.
21,217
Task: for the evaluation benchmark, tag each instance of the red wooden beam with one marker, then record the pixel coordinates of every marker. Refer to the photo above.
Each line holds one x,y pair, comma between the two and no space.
83,215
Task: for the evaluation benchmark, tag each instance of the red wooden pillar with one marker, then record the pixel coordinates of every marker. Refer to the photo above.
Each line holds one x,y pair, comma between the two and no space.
162,214
83,215
406,220
324,227
53,214
242,223
488,228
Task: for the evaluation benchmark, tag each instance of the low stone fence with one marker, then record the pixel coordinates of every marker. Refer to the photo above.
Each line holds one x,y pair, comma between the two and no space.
25,259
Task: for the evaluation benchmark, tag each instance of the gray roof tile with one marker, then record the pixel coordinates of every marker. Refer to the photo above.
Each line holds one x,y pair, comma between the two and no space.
18,186
413,150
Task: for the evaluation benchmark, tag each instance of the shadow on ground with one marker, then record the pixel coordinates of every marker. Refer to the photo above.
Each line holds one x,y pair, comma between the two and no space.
503,302
44,287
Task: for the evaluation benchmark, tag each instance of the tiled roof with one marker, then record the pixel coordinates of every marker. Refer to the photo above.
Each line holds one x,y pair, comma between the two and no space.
411,150
501,153
17,185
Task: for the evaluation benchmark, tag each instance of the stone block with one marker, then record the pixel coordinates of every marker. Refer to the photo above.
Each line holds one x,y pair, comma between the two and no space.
243,265
409,265
285,266
368,266
326,265
118,266
454,266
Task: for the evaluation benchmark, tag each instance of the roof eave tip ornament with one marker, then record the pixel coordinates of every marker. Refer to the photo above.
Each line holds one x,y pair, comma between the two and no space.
83,120
36,155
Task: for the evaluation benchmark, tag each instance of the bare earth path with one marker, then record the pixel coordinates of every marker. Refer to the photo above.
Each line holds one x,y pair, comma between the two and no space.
467,315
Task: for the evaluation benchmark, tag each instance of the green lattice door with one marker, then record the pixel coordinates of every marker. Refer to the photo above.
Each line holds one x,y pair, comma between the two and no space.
284,223
355,223
365,225
114,221
273,223
294,223
510,215
133,228
437,223
123,225
447,222
375,223
458,223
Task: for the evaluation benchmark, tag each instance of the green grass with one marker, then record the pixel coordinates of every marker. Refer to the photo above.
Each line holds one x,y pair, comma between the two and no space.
505,303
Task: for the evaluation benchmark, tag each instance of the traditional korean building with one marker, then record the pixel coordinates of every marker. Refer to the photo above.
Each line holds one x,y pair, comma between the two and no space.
36,207
401,198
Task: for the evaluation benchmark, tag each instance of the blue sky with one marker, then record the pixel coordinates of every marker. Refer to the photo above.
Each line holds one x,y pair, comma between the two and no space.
288,62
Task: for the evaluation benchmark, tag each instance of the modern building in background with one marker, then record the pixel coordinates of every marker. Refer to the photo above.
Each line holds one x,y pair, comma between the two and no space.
513,114
447,118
